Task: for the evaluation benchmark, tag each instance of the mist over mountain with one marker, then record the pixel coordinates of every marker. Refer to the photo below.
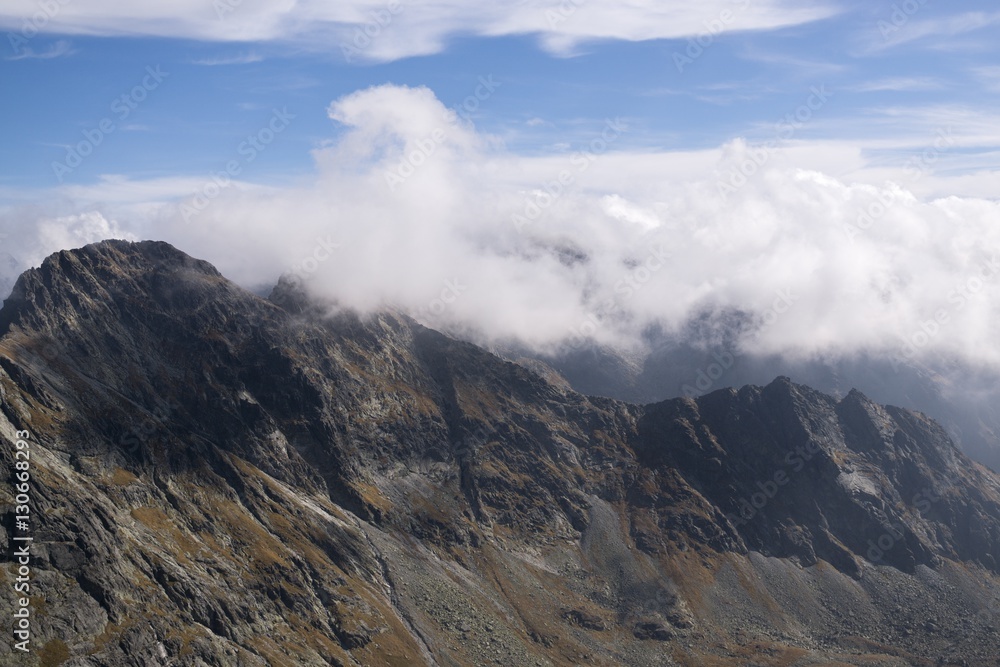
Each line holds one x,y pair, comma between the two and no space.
220,478
815,266
537,332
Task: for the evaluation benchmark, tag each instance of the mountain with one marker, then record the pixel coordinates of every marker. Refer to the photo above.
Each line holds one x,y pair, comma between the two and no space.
960,397
223,479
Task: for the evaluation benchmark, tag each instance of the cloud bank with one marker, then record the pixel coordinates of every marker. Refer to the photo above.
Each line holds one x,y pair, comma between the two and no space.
389,29
413,208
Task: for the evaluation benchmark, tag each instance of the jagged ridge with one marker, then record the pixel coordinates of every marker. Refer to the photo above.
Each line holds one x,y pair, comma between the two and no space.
237,480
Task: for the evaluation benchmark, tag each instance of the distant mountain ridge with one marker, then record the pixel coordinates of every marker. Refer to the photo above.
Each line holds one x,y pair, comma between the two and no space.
676,369
220,478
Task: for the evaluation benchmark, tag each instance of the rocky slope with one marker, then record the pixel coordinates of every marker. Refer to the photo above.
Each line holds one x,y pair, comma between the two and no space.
221,479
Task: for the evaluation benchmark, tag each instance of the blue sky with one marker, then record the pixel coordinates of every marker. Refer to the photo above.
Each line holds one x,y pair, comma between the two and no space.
219,90
724,152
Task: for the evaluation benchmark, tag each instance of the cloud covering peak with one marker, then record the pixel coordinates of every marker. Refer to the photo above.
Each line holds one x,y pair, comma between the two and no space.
763,245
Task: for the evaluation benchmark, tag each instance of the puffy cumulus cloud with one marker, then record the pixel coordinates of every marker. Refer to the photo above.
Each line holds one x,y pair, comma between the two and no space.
411,207
428,215
391,29
620,209
34,234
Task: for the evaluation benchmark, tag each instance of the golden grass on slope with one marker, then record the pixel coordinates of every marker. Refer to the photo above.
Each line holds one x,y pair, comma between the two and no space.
112,631
158,522
264,549
122,477
54,653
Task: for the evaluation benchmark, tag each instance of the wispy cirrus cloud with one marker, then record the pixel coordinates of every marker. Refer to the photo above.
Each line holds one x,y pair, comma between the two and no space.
900,84
939,31
221,61
390,31
806,68
58,49
989,76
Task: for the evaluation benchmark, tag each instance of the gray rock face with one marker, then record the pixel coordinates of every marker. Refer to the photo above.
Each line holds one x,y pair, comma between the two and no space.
223,479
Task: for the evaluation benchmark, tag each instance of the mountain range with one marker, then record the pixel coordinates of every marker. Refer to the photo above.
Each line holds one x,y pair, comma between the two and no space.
218,478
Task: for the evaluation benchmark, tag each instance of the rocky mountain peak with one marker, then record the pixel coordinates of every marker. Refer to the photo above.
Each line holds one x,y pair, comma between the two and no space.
225,479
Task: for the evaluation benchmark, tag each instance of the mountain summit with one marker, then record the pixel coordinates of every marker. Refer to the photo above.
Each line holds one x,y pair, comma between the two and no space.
222,479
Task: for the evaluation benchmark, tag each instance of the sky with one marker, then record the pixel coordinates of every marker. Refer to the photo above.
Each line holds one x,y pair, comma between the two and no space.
820,176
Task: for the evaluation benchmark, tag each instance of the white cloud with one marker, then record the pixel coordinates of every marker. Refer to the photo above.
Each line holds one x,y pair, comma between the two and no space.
58,49
411,27
623,210
73,231
940,29
623,240
805,67
974,129
900,84
239,59
990,76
